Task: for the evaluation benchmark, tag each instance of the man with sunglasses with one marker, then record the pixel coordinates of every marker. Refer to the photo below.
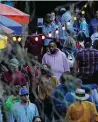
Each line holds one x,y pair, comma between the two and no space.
23,111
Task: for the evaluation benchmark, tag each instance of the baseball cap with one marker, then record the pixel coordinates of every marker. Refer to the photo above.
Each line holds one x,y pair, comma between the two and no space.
62,9
14,62
23,91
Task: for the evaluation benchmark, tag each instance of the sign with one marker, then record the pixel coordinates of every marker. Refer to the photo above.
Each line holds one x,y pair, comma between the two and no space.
39,22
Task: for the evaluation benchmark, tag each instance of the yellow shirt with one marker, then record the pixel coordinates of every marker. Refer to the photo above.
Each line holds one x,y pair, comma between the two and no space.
82,112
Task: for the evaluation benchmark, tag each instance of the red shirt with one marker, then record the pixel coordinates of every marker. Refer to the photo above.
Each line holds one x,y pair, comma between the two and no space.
18,78
34,79
34,47
78,46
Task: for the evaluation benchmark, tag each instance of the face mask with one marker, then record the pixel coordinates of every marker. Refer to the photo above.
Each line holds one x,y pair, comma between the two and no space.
53,18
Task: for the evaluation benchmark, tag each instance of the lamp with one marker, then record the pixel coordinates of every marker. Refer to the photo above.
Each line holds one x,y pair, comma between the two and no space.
36,38
83,12
68,23
75,18
57,31
19,39
85,6
63,27
43,37
50,34
14,38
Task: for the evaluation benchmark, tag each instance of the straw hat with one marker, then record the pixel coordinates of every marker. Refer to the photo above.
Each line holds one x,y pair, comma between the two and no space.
80,94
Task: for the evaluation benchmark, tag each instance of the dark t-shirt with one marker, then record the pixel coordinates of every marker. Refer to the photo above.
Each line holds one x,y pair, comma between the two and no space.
17,78
34,47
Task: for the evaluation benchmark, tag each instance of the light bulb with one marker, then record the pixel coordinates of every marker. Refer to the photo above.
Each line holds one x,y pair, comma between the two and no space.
75,18
57,31
36,38
19,39
83,12
63,27
85,6
5,37
43,37
50,34
14,38
68,23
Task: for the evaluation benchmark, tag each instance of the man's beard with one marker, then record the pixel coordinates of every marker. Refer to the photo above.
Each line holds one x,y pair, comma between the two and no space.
25,101
53,52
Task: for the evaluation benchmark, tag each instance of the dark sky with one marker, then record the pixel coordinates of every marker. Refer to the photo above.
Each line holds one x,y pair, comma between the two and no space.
43,7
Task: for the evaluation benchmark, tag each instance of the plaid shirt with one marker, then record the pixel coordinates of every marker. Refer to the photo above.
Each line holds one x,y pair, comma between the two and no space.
88,60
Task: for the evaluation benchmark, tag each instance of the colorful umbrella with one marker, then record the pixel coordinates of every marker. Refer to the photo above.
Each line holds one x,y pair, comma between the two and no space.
16,27
14,14
4,29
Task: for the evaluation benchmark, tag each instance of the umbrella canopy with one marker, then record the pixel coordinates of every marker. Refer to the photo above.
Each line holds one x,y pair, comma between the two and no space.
4,29
16,27
14,14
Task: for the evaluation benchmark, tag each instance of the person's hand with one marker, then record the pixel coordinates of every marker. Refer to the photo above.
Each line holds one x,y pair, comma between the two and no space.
81,44
4,69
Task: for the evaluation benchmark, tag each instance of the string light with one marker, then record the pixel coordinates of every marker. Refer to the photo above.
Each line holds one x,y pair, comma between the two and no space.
57,31
36,38
75,18
50,35
19,39
63,27
14,38
83,12
68,23
85,6
43,37
5,37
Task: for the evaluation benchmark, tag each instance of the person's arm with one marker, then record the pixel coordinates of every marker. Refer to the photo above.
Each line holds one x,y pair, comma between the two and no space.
75,69
76,65
65,62
9,103
36,111
12,115
93,111
43,60
41,51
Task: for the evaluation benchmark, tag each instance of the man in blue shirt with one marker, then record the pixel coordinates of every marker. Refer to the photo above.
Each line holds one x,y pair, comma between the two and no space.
48,27
94,23
84,25
24,111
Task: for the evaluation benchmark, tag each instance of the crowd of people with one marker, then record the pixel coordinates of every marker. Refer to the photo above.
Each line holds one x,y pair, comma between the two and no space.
54,79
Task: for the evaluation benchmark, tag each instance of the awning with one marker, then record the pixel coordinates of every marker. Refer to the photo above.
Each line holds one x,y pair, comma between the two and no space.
5,30
16,27
14,14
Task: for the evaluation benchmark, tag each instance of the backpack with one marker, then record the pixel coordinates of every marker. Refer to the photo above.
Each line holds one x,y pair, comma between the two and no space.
71,59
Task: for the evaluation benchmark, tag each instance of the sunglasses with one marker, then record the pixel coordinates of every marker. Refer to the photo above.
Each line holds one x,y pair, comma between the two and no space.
25,95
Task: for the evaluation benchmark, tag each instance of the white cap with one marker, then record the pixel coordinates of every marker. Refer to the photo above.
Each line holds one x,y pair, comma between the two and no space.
62,9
